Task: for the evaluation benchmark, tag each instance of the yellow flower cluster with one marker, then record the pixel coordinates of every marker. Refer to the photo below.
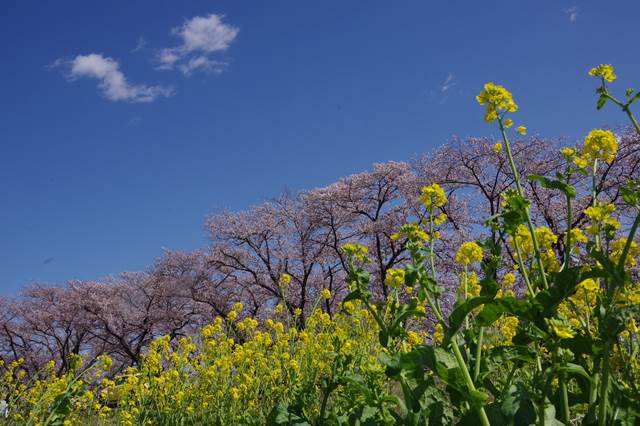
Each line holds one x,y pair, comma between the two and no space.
560,328
440,219
471,285
508,280
356,251
394,278
469,252
617,248
578,308
546,239
412,232
285,280
604,71
432,196
438,334
600,215
600,145
497,99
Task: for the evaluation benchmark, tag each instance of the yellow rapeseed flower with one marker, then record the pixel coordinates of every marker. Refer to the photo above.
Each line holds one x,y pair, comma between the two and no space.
469,252
580,162
600,145
568,152
605,71
412,232
440,219
356,251
433,196
394,278
326,294
497,148
473,285
560,328
497,99
438,334
285,279
577,236
508,280
618,247
522,130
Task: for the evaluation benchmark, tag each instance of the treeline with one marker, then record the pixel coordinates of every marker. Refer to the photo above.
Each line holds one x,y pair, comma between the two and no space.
299,235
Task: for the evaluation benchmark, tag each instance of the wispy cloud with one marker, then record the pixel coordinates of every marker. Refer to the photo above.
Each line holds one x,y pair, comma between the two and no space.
141,44
201,37
111,81
448,83
572,13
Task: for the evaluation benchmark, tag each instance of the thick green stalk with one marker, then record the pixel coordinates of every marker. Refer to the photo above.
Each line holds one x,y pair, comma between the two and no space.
567,246
594,199
431,239
604,390
625,108
467,378
465,281
632,118
534,239
627,246
565,399
476,370
523,270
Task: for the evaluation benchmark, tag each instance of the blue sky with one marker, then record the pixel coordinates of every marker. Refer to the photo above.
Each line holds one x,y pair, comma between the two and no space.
124,124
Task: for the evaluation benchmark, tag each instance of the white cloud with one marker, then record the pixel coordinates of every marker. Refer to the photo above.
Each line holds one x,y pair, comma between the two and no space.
111,80
448,83
201,63
141,44
572,13
200,37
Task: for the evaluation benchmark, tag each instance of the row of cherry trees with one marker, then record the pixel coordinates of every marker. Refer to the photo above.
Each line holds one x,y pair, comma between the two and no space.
300,235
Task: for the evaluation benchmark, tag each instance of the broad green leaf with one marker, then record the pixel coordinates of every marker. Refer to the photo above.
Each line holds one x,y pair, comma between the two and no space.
554,184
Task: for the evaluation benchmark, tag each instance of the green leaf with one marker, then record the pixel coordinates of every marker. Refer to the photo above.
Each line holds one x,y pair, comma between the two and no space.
576,369
457,316
518,407
554,184
515,212
601,101
438,360
506,305
356,295
283,414
631,192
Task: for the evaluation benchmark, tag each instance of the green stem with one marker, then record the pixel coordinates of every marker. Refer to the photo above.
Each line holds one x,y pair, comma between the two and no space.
627,246
604,390
567,246
534,239
565,399
476,370
593,393
467,378
507,383
625,108
465,285
431,240
632,118
523,270
594,199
